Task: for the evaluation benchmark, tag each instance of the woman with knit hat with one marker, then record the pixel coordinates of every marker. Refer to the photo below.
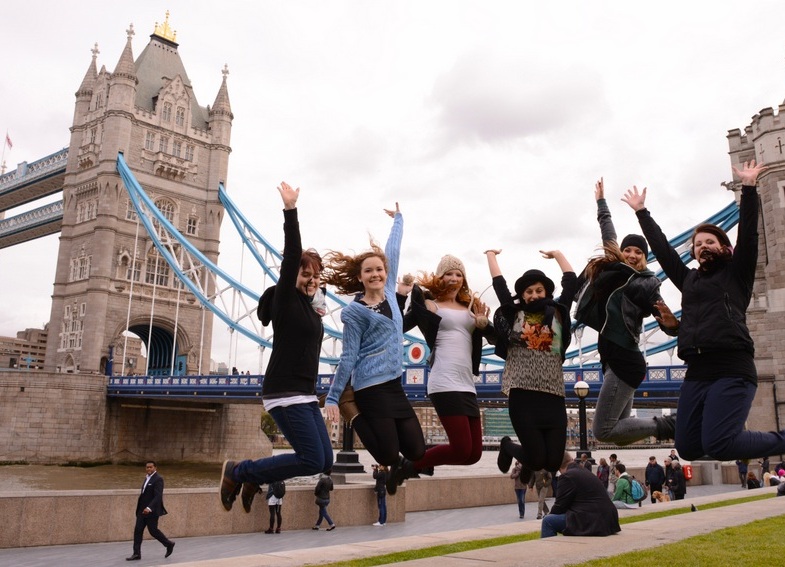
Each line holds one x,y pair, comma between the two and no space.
714,341
453,323
372,357
619,293
533,333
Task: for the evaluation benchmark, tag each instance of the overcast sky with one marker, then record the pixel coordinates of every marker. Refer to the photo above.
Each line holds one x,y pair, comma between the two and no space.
488,121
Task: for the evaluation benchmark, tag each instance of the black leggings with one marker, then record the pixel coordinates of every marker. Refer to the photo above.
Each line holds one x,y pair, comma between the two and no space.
540,422
385,437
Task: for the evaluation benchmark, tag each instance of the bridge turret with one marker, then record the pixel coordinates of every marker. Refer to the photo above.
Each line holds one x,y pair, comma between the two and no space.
85,92
220,125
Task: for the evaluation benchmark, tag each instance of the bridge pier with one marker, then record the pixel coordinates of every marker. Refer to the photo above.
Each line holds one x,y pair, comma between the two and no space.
52,418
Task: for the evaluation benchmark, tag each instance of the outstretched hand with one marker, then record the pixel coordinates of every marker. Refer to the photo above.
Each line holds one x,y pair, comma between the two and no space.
748,174
666,318
635,199
551,254
599,190
288,195
393,213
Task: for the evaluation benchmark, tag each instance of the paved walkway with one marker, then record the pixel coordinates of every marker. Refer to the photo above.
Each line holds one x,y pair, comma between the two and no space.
421,529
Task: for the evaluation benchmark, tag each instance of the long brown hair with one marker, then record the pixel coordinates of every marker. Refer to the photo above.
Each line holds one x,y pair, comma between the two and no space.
343,271
611,254
438,289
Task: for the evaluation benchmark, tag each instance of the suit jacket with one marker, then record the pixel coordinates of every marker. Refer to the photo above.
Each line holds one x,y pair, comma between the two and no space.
152,496
582,497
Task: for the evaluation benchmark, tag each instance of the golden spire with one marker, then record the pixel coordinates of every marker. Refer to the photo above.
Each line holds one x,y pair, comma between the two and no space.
163,30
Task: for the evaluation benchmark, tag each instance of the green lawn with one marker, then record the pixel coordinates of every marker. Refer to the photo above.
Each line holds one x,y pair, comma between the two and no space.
741,545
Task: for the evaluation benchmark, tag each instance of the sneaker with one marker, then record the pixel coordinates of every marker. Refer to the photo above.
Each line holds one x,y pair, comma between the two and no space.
269,531
278,531
229,487
248,492
378,524
331,528
315,528
504,460
666,427
539,516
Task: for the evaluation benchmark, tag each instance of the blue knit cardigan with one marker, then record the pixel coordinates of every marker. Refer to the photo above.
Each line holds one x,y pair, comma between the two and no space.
372,343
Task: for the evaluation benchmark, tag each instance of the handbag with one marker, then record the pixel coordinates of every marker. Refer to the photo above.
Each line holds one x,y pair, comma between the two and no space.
347,406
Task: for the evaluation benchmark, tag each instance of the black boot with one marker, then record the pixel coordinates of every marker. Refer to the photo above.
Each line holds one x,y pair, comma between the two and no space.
406,470
392,477
666,427
504,460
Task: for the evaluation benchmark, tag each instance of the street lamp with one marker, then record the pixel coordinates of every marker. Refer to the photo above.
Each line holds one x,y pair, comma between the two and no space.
581,390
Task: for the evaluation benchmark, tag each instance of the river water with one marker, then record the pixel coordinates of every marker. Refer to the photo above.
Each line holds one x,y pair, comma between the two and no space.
106,477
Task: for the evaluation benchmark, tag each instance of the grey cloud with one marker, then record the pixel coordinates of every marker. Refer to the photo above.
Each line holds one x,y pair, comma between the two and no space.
495,98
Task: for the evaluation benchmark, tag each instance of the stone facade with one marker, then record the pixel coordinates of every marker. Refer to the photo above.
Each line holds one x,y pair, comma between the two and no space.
764,141
53,418
106,264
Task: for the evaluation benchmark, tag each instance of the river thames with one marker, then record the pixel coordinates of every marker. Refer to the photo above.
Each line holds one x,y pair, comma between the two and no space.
177,475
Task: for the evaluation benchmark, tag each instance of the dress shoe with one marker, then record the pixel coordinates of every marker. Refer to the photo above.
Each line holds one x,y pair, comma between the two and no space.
169,550
247,495
229,487
134,557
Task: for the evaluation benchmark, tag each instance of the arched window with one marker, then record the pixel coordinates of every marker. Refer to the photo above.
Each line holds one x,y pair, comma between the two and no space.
157,270
179,117
166,115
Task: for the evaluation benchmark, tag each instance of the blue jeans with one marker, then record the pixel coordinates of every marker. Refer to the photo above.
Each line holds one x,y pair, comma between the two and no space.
711,418
553,524
323,514
303,426
612,421
381,501
520,494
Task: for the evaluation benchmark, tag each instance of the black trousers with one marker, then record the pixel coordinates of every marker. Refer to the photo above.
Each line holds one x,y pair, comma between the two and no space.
150,521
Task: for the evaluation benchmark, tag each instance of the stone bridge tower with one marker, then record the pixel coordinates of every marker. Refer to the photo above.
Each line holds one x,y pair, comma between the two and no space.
764,140
109,275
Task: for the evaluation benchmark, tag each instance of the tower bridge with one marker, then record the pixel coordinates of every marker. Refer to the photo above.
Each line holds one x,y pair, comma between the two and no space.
143,199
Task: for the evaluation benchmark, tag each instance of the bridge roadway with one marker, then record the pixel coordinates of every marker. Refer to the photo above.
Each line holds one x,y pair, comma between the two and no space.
25,184
660,387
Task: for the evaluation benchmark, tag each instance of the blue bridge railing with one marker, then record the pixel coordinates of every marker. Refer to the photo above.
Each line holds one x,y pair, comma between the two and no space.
661,385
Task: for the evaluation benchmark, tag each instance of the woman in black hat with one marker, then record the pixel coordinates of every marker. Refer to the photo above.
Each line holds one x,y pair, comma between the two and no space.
533,333
618,293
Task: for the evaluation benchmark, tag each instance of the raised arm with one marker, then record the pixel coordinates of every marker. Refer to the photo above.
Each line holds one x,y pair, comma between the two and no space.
745,254
499,283
393,249
666,255
292,248
569,281
607,230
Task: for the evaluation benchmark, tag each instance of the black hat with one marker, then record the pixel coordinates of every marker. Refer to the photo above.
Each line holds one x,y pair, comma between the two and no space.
635,240
532,277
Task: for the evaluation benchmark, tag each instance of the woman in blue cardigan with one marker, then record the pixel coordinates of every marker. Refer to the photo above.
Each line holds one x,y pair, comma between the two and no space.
372,356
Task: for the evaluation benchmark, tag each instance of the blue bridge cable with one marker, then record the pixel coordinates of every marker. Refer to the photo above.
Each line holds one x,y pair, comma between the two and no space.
727,218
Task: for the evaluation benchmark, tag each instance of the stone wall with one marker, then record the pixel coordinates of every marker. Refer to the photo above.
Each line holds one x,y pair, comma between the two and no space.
52,418
185,431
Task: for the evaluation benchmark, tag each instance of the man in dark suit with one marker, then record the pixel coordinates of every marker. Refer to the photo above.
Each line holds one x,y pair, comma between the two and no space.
149,508
582,506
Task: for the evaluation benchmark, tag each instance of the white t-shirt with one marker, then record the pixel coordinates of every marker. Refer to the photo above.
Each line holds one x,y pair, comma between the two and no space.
452,365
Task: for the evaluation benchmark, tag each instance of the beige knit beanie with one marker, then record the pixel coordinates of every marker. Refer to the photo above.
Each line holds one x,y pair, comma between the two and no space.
448,263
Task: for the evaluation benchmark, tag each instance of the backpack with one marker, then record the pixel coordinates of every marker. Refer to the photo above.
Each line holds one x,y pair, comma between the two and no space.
639,492
588,310
279,489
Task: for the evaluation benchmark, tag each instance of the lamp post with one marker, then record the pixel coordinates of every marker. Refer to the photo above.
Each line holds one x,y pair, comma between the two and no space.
581,390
